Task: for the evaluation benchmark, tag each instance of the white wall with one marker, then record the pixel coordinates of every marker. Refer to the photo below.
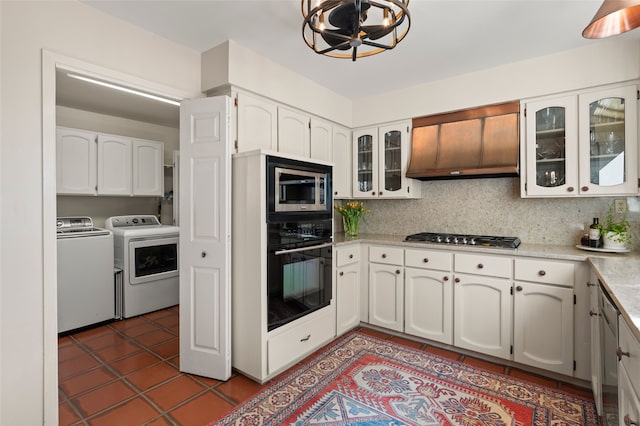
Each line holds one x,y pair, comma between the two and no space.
28,385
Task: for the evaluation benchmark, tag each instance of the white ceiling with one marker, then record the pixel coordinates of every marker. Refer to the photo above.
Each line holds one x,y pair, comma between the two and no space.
447,37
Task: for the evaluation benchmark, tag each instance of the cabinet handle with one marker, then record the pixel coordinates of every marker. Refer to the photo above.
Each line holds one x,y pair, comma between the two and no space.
620,353
457,280
203,254
425,260
445,278
350,256
304,339
593,314
570,189
519,288
590,284
629,422
584,188
397,271
480,266
384,256
341,273
542,273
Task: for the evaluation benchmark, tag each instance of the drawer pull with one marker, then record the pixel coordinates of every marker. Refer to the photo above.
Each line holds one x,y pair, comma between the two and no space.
542,273
590,284
425,260
203,254
350,256
629,422
593,314
457,280
304,339
384,256
445,278
341,273
480,266
620,353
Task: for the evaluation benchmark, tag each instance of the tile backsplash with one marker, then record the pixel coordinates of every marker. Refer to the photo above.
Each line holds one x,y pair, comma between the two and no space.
491,206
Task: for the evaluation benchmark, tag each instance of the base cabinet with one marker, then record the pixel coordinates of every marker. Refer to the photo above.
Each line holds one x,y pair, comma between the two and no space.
386,301
347,288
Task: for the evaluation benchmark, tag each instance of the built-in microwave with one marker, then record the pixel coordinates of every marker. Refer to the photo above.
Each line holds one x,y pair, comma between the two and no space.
295,187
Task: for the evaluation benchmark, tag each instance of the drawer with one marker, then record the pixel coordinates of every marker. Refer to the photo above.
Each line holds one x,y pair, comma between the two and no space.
629,345
428,259
300,340
544,271
387,255
484,264
347,255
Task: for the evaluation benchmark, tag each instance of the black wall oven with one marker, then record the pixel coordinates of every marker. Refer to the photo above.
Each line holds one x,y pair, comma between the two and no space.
299,241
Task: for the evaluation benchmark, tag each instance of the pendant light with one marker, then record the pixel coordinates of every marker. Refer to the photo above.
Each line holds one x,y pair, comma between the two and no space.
614,17
354,28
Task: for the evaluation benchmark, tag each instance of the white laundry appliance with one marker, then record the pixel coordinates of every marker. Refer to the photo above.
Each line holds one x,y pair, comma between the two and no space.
147,253
86,290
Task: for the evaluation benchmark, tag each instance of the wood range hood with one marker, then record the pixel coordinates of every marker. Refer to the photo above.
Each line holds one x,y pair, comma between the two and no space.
476,142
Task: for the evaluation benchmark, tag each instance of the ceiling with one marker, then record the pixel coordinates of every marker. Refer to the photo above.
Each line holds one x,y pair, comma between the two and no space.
447,37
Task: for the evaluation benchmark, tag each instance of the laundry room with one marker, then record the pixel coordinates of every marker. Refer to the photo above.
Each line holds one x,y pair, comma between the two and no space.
115,154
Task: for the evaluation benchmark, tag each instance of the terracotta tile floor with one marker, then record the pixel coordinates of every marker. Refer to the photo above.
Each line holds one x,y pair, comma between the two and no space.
126,373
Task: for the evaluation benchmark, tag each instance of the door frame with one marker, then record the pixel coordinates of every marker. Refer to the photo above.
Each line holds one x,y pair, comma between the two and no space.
51,62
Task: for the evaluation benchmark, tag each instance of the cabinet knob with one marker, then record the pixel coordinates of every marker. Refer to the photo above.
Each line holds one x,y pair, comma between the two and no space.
593,314
584,188
620,353
480,266
203,254
341,273
397,271
570,189
373,193
380,193
335,193
629,422
425,260
457,280
350,256
542,273
445,278
590,284
384,256
519,288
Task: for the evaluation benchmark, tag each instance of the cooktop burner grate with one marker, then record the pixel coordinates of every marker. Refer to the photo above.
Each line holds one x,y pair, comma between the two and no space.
464,239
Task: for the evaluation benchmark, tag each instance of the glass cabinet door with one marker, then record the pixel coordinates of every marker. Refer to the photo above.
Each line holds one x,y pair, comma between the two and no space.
551,148
392,160
608,142
365,163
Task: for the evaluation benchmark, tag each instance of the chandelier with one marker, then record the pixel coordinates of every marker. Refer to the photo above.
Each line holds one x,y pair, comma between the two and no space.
354,28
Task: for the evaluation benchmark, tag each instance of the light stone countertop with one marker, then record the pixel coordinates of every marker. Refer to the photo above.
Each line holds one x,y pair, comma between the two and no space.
619,272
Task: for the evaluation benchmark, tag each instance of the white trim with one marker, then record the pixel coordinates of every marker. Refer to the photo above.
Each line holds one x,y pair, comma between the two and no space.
51,61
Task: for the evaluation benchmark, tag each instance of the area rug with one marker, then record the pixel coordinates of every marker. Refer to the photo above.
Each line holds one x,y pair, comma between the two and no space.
363,380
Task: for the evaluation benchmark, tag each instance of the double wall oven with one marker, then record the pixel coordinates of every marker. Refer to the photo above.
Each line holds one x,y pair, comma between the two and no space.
299,241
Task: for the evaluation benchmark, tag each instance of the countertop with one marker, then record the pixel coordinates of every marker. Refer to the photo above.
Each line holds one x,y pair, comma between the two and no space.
619,272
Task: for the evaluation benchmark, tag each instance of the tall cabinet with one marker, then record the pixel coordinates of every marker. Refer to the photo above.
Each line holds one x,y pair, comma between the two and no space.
581,144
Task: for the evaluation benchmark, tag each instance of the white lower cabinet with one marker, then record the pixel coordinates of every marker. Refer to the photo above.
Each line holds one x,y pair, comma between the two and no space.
386,287
628,376
596,358
347,288
628,400
428,295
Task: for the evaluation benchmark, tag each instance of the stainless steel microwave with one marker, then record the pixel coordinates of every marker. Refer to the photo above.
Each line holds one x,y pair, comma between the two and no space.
298,186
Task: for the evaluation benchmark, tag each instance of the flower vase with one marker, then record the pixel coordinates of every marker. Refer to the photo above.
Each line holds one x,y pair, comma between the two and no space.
351,226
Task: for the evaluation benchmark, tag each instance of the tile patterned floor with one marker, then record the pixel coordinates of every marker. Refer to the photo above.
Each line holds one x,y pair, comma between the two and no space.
126,373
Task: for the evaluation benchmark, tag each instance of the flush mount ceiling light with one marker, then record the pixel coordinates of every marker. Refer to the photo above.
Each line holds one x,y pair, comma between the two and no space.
614,17
354,28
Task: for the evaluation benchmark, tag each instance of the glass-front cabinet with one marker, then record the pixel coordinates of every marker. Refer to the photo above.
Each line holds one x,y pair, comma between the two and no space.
380,160
582,144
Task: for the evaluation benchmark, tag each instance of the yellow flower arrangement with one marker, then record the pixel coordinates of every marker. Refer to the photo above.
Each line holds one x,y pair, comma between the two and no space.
351,213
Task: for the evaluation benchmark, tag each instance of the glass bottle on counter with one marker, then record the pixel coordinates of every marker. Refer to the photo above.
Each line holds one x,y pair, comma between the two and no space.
594,234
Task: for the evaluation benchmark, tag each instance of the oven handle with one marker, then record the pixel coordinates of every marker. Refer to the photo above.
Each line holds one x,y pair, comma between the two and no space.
319,246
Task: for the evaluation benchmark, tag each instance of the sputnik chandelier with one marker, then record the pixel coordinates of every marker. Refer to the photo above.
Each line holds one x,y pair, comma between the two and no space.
354,28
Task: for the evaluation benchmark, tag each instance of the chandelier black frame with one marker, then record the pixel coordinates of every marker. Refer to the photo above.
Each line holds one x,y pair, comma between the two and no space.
336,28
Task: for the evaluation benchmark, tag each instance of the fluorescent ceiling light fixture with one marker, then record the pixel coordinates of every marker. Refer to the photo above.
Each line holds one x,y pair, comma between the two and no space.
124,89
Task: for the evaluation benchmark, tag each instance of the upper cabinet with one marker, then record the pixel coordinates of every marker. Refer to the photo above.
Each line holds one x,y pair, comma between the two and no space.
380,160
293,132
89,163
257,123
582,144
341,152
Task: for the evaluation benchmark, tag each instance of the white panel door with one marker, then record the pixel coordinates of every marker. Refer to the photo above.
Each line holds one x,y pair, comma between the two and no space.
76,162
347,297
342,169
293,132
386,291
205,234
148,168
321,137
428,304
114,165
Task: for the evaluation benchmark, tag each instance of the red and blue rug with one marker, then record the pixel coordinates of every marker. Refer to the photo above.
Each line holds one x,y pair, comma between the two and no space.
363,380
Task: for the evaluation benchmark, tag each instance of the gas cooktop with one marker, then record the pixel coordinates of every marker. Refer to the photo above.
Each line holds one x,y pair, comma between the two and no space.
464,239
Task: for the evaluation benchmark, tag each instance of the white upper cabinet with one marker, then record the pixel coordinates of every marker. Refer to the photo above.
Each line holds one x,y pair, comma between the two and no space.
257,123
582,144
148,168
321,146
293,132
380,161
76,161
341,152
114,165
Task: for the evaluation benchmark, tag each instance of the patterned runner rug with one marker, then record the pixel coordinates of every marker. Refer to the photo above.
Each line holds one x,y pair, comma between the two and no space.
360,379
